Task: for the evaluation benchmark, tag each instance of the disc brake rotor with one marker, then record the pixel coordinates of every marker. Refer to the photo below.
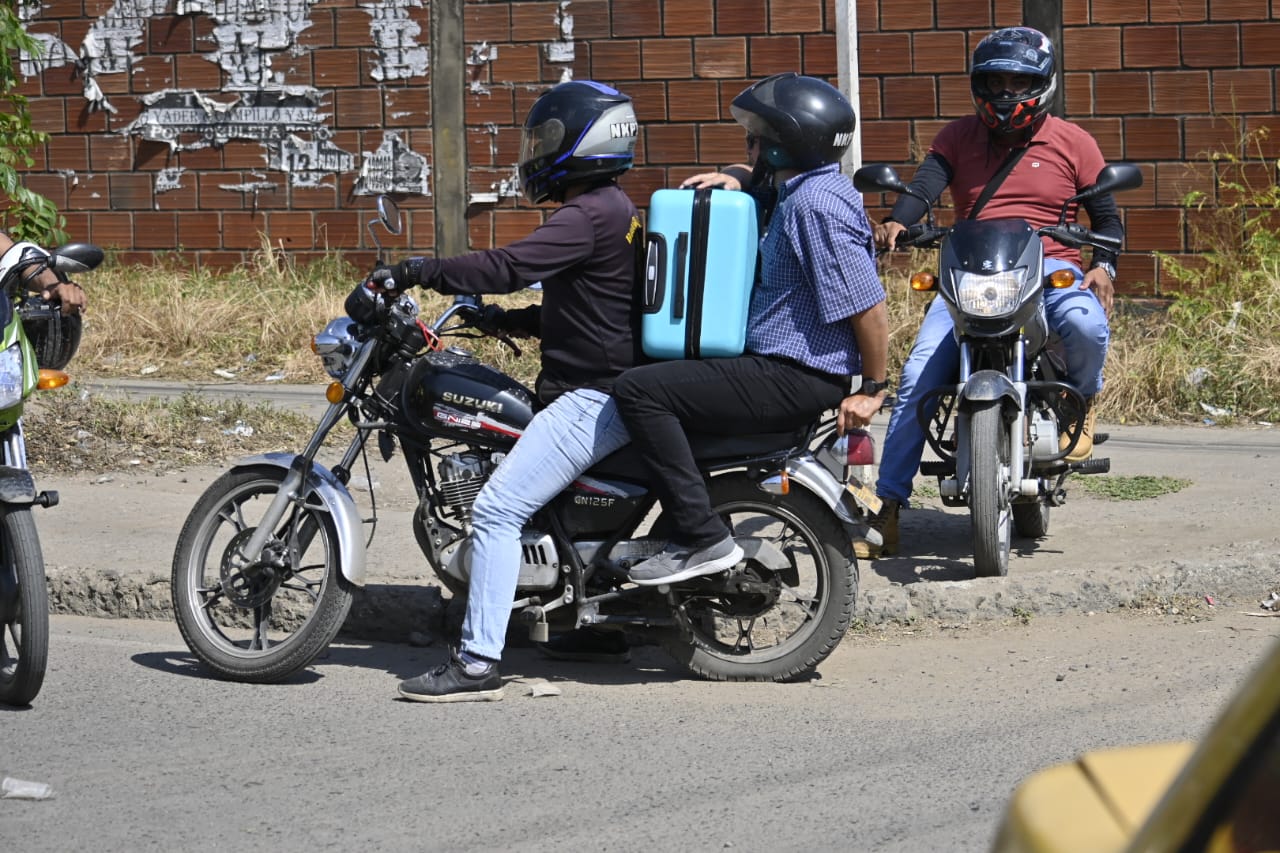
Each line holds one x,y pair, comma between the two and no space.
251,585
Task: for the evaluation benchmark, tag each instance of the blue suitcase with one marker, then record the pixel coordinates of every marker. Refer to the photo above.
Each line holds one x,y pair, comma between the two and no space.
700,264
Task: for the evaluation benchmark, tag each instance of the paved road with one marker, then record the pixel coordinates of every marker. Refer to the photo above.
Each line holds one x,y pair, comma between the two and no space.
906,743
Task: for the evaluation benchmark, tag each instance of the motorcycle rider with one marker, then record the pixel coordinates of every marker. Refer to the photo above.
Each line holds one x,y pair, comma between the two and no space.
1012,80
817,317
577,139
68,293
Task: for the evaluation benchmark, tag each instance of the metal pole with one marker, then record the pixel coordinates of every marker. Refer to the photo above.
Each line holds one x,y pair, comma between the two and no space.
847,64
448,129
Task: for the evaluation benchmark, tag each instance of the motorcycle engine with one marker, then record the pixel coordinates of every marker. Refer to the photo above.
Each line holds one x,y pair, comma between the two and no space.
462,476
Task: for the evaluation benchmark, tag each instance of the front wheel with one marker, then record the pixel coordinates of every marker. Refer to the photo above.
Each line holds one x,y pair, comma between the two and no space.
24,608
989,508
786,606
257,620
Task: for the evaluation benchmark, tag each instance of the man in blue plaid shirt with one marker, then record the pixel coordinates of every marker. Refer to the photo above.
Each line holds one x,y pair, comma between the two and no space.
817,319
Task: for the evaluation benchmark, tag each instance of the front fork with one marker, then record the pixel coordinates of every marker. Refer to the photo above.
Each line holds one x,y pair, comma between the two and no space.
1010,390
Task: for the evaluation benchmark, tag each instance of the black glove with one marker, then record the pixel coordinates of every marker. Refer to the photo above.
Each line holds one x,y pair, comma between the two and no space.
408,273
492,320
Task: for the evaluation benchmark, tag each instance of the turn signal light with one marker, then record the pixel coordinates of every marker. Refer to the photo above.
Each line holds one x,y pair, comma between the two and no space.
923,281
51,379
335,393
1062,278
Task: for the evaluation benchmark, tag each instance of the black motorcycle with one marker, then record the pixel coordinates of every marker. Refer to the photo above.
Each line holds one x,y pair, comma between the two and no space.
997,429
268,559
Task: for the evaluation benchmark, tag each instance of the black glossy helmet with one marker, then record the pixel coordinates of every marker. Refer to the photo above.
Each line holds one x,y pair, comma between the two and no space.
803,122
1015,50
575,132
55,337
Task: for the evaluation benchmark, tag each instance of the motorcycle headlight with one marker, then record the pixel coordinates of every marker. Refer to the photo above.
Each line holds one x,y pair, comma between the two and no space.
336,345
989,295
11,376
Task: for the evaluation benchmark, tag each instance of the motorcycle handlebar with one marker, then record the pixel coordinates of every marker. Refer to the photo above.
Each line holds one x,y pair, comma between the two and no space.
1076,235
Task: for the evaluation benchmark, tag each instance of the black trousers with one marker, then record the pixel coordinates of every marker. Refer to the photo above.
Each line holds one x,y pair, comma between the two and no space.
719,396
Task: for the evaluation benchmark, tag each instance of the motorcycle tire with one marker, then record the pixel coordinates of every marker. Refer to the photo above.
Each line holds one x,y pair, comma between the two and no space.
24,599
1031,520
805,609
989,507
257,624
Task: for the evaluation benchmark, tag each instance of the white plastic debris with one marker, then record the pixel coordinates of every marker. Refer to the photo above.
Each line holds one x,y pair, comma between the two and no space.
240,429
225,374
1215,411
148,370
543,688
1271,602
21,789
278,376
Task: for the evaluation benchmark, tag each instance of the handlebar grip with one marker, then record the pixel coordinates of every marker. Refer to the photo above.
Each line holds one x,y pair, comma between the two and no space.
1103,241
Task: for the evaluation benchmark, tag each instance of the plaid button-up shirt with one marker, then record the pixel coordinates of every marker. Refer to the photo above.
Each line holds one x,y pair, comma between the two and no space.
817,270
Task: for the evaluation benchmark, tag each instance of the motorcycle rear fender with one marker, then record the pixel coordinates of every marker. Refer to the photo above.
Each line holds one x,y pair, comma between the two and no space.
17,486
337,501
811,475
988,386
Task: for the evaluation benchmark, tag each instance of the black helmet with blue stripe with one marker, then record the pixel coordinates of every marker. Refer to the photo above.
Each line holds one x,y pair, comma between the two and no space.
576,132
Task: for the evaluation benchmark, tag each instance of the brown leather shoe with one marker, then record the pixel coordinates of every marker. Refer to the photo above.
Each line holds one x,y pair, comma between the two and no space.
885,521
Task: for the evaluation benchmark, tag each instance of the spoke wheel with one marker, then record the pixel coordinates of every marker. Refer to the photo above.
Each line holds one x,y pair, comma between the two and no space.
24,603
782,611
989,507
263,620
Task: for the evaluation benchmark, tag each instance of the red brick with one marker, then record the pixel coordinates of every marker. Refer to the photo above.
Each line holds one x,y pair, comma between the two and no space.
819,52
641,183
1153,229
62,8
795,16
337,67
212,195
884,53
130,191
155,231
1092,48
512,225
111,230
52,187
110,153
197,72
1175,180
339,229
1152,138
1260,44
517,63
741,16
1180,92
1151,47
615,60
197,160
291,230
1008,13
671,143
1242,90
774,54
1119,12
908,16
886,142
720,57
409,107
665,58
318,36
350,28
62,80
1077,94
1204,135
650,100
1122,92
243,230
693,100
1109,134
489,22
688,18
1075,13
961,13
48,115
535,21
1237,10
1211,45
911,97
69,151
591,20
1178,11
636,18
939,52
170,34
185,197
496,107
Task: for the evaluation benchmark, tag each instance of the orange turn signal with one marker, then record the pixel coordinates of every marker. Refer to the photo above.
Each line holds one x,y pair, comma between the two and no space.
335,393
1062,278
51,379
923,281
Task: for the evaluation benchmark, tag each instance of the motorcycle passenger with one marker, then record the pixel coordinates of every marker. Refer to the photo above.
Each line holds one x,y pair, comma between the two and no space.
68,293
1012,81
817,318
577,139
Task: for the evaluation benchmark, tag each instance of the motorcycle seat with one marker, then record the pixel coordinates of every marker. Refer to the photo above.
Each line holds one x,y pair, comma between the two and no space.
707,450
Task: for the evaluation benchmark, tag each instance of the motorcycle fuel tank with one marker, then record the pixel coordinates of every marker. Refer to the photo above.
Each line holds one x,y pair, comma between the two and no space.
452,394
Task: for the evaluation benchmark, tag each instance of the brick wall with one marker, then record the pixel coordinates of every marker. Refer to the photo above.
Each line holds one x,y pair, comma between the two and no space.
1159,82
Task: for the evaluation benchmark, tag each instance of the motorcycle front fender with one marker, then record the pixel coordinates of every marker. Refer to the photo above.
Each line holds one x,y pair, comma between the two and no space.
988,386
337,501
17,486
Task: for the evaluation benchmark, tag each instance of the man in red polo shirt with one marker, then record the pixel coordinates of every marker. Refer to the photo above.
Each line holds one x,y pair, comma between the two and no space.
1012,80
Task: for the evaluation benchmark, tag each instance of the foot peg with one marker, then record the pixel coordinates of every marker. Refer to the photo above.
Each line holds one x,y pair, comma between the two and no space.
1091,466
934,468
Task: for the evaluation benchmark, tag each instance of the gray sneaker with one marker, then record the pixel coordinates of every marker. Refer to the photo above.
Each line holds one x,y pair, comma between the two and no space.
676,564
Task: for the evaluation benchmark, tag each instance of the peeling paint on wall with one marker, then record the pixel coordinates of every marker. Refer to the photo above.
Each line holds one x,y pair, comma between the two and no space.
248,34
169,179
393,168
477,62
395,35
561,50
310,161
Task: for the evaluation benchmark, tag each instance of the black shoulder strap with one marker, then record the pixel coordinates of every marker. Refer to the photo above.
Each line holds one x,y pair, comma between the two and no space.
997,179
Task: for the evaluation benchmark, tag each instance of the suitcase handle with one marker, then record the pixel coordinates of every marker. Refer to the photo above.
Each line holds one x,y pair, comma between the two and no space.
655,273
677,295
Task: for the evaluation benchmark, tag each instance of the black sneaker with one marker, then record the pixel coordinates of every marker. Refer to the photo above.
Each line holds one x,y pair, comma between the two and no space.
588,644
674,564
455,681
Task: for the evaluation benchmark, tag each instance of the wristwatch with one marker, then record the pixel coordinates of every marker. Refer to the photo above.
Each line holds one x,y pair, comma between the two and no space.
1106,267
871,387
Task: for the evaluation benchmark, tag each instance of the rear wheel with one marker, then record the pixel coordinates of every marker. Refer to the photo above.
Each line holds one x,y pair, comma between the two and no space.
261,620
24,608
1031,520
785,607
989,508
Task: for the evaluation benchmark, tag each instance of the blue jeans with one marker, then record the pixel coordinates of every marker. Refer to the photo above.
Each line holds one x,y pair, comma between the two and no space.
1074,315
569,436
